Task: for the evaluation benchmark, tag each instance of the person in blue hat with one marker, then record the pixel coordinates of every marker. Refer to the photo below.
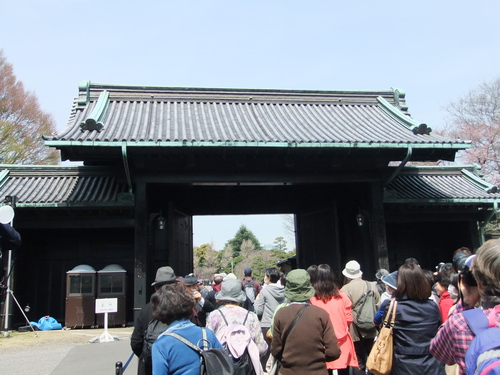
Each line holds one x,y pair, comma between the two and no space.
391,286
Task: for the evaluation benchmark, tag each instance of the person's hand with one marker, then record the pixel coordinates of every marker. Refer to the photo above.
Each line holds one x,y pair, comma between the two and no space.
196,295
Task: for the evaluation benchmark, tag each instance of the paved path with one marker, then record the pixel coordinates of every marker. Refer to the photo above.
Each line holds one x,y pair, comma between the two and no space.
97,359
87,359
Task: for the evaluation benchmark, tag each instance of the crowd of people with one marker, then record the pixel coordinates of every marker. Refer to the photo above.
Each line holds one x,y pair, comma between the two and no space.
447,321
311,322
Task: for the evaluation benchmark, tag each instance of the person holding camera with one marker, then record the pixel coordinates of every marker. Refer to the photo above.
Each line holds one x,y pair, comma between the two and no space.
202,306
455,336
10,239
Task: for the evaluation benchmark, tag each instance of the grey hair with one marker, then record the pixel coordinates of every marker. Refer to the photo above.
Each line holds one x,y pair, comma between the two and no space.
381,272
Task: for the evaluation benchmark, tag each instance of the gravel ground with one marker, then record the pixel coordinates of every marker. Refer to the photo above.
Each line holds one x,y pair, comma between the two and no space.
40,353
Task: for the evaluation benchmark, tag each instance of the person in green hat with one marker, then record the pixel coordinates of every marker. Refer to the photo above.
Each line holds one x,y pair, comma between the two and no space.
312,341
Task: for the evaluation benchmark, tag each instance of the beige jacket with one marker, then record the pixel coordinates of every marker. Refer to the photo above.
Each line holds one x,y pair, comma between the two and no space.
355,290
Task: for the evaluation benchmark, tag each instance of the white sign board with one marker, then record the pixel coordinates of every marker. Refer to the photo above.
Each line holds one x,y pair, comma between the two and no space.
106,305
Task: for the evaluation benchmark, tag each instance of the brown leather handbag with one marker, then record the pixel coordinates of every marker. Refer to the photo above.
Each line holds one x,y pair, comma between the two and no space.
379,361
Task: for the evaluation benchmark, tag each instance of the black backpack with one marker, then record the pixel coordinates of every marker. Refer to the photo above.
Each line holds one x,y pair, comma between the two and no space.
249,288
155,329
212,361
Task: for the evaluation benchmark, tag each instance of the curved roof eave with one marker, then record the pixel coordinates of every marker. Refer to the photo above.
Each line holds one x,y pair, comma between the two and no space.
399,145
440,185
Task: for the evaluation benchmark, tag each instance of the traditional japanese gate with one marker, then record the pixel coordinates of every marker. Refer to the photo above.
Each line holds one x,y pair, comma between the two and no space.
156,156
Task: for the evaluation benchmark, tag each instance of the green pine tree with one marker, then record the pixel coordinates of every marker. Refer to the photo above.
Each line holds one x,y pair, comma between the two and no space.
241,235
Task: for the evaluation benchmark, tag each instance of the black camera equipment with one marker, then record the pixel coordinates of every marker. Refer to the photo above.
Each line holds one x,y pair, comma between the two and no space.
7,218
440,266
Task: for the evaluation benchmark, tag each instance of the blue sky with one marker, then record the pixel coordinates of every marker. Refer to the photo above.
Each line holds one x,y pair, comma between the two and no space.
436,51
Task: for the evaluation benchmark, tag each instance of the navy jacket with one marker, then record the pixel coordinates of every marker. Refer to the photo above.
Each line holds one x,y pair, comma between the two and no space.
416,324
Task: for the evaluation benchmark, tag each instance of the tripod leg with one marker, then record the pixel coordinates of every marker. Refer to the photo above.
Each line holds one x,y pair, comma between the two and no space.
7,301
22,311
5,330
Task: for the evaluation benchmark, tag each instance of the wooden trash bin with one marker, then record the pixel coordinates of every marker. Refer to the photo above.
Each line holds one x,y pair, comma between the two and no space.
80,297
111,283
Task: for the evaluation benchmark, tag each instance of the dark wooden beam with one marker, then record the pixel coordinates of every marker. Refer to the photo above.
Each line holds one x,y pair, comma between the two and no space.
378,226
141,246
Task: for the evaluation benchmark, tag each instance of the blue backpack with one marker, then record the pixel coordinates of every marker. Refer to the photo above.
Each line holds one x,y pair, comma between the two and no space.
483,355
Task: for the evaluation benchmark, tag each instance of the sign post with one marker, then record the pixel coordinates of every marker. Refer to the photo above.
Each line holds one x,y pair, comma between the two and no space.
105,306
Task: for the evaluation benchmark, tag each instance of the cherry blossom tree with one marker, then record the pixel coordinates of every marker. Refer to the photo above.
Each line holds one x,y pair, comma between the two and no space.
476,117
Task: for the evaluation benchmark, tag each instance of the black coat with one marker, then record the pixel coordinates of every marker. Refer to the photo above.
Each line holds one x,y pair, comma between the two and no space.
416,324
137,339
200,314
10,239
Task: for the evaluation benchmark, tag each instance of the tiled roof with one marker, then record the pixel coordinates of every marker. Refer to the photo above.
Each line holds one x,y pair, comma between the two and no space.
160,116
62,186
440,185
95,186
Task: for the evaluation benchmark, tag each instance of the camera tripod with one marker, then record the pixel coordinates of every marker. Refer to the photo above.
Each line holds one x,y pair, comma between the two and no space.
8,291
6,218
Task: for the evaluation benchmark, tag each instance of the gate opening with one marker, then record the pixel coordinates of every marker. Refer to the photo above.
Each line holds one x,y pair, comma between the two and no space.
219,248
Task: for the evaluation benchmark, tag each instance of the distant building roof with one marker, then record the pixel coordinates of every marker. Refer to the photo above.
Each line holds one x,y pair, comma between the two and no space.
63,186
440,185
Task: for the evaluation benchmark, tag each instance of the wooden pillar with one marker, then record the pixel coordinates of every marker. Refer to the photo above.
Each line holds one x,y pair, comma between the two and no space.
180,240
476,235
317,237
377,217
141,246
